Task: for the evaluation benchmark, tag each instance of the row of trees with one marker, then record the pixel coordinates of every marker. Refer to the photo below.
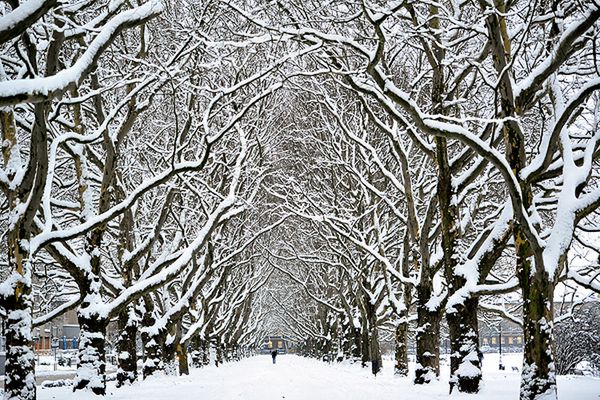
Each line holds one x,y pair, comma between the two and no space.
400,163
443,154
132,137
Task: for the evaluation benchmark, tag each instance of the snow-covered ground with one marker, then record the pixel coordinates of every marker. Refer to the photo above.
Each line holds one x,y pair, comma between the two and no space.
45,369
297,378
45,366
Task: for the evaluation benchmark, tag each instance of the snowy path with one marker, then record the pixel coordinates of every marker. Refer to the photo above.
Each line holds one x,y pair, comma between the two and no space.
297,378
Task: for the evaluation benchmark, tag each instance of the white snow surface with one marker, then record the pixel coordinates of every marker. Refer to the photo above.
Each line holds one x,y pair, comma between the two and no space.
297,378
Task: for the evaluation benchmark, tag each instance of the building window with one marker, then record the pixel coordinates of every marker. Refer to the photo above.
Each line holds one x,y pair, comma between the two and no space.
280,344
519,339
494,340
510,340
485,340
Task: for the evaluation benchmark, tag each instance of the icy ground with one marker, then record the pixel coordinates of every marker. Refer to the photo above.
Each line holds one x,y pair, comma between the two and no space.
297,378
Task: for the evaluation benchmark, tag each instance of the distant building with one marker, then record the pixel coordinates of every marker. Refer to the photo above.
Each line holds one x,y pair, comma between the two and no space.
504,333
280,343
62,330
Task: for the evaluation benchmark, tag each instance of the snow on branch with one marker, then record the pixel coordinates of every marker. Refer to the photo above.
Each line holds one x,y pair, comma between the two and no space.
40,89
527,88
173,270
589,281
549,142
63,308
17,21
501,311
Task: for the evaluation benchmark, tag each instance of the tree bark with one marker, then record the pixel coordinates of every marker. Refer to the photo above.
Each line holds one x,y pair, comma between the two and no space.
465,370
219,352
197,352
20,379
126,347
91,353
182,358
428,338
356,344
18,303
364,342
374,348
539,374
401,351
154,354
538,380
205,352
151,341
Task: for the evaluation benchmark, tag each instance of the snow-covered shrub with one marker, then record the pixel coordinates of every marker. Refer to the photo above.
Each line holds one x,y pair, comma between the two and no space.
577,340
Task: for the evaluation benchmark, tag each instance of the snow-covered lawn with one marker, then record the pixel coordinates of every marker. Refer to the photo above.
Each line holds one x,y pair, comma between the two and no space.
297,378
45,366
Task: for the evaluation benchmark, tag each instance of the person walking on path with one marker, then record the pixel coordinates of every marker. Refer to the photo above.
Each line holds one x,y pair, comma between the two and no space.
274,355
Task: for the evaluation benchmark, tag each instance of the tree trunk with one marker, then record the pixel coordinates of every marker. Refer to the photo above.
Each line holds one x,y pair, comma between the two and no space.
374,349
538,380
205,352
365,347
219,352
538,375
376,361
227,352
91,353
20,371
169,355
153,354
465,370
170,352
151,341
428,338
182,358
20,379
401,334
401,352
357,344
126,347
197,352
